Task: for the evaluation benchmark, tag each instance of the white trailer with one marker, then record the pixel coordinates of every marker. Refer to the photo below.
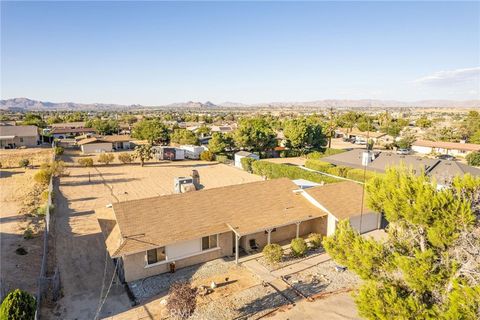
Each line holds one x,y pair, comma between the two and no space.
192,152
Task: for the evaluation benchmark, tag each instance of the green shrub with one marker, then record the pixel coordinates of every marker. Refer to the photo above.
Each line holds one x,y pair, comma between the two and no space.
315,240
275,171
58,151
273,253
27,234
42,177
299,247
85,162
41,211
332,151
315,155
105,158
339,171
221,158
24,163
247,163
318,165
207,156
18,305
125,158
357,175
473,159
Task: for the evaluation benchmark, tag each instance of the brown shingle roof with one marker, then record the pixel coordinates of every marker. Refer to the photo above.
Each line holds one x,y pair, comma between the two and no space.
91,140
117,138
72,130
343,199
250,207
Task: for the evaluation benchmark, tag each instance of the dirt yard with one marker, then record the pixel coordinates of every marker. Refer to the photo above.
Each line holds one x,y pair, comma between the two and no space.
18,271
80,248
37,156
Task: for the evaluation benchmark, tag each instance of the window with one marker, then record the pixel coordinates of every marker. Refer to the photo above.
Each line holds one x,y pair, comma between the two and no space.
21,139
209,242
156,255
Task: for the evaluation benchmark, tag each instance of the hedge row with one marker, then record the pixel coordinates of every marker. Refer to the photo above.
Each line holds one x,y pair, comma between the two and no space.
275,171
328,152
341,171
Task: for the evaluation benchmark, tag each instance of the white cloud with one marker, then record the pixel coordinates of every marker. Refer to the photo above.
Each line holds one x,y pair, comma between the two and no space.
458,76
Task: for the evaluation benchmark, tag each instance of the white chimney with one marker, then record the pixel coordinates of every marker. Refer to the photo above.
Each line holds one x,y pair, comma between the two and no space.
367,157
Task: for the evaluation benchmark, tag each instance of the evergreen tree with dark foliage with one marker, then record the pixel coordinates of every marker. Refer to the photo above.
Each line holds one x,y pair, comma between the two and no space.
428,267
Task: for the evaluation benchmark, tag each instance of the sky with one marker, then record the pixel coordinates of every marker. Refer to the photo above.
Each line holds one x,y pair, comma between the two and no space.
155,53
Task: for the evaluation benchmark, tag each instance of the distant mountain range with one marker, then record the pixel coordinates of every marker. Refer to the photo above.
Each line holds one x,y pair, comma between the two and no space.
24,104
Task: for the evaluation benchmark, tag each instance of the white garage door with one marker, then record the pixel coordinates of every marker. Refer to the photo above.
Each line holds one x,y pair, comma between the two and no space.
370,222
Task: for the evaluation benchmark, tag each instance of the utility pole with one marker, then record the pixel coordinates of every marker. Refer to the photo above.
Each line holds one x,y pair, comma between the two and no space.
330,128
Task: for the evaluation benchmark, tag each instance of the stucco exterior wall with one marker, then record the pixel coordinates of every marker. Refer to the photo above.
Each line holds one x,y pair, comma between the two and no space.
134,266
31,141
370,221
96,148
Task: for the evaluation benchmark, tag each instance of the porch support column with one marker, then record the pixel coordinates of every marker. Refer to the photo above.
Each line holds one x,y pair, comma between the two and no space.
298,228
269,235
236,248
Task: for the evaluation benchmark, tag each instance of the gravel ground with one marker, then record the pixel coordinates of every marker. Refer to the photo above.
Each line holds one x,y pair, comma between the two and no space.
152,286
322,278
245,304
289,259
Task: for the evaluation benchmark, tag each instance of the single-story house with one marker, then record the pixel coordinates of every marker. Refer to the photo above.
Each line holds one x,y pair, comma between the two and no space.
18,136
105,144
358,135
443,171
146,236
244,154
68,125
119,142
64,133
451,148
95,145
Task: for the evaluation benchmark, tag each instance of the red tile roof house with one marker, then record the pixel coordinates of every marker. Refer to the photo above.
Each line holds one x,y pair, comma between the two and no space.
451,148
145,236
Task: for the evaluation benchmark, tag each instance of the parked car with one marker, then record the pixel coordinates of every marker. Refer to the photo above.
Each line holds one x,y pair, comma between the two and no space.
360,142
404,151
446,157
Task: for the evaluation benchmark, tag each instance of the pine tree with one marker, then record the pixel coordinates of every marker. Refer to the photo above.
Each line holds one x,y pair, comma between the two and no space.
428,267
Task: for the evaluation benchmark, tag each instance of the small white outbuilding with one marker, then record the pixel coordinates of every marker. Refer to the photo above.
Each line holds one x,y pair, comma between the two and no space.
244,154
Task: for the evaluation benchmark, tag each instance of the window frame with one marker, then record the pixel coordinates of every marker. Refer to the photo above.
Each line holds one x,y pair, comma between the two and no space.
157,260
210,242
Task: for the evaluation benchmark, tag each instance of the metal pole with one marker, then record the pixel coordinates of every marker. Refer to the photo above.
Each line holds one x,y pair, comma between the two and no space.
298,229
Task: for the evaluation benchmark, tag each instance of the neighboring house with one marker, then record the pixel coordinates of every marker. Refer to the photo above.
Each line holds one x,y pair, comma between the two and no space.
244,154
64,133
18,136
443,171
95,145
119,142
105,144
358,135
68,125
221,128
145,236
451,148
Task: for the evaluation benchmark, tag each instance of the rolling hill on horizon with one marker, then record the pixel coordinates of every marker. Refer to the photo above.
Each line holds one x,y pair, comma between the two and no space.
37,105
